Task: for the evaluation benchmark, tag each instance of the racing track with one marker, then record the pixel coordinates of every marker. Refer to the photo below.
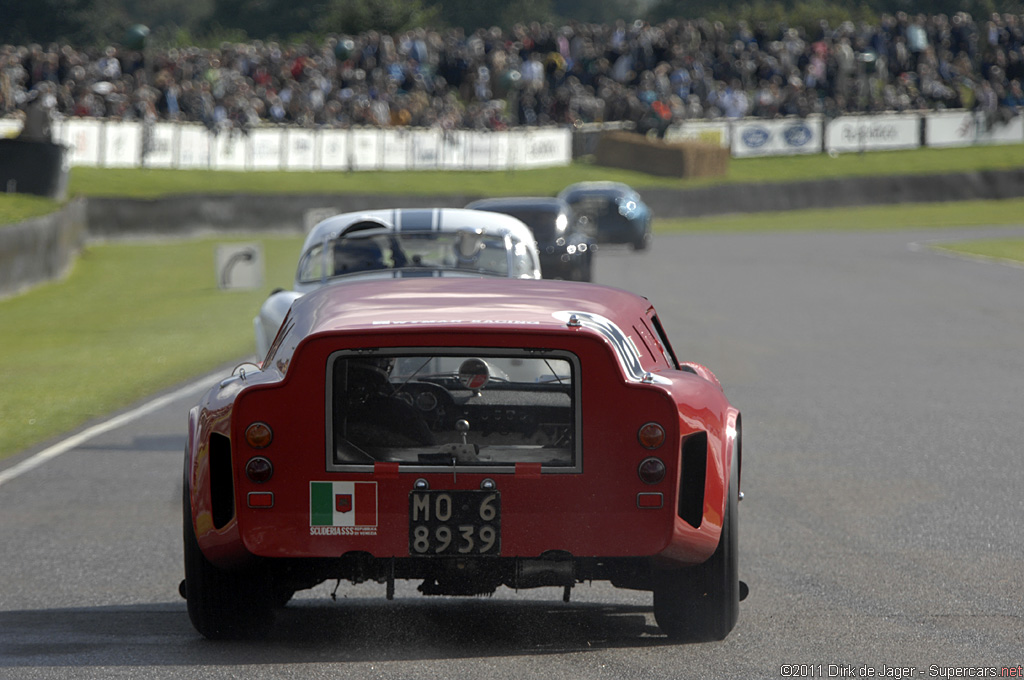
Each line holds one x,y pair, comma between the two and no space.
881,388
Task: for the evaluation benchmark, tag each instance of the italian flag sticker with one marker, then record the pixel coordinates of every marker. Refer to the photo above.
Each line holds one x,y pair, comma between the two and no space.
343,504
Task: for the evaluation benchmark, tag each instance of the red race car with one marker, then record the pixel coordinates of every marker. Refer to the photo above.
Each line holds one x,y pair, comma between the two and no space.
468,434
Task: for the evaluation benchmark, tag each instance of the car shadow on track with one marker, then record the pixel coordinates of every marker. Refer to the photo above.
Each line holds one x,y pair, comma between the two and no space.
348,631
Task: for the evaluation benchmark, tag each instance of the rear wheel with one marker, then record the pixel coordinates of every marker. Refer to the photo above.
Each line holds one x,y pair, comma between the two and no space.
702,603
642,240
588,269
224,605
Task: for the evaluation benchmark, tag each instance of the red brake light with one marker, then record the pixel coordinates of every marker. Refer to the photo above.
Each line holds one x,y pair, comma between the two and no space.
259,469
651,470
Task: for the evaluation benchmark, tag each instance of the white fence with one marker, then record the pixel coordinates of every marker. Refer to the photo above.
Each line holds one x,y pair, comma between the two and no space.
120,144
961,128
127,144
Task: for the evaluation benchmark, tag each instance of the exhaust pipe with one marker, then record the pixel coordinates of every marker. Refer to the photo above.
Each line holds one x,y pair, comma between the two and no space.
537,573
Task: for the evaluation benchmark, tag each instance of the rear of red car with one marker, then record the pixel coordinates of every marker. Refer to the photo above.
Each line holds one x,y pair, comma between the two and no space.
466,457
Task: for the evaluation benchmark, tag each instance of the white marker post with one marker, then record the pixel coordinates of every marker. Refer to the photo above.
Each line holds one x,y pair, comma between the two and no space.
239,266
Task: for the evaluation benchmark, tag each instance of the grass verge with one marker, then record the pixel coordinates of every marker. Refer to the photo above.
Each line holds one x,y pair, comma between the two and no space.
16,208
148,183
905,216
543,181
130,320
1009,250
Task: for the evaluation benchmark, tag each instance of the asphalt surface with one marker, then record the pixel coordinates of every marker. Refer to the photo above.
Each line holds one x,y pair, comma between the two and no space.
881,388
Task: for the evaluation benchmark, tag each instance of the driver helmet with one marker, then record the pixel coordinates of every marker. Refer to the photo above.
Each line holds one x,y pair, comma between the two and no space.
356,255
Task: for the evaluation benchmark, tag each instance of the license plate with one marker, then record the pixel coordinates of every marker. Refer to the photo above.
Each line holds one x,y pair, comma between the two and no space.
454,523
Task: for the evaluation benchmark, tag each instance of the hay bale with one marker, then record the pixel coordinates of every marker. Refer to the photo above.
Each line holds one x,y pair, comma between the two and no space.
631,151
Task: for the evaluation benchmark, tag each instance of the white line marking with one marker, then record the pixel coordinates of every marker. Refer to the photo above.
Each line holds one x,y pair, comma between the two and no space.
101,428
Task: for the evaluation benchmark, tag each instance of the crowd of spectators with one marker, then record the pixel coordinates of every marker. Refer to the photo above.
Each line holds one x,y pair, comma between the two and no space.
540,74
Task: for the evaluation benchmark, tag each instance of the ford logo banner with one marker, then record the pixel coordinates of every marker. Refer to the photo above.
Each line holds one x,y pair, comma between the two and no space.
797,135
755,136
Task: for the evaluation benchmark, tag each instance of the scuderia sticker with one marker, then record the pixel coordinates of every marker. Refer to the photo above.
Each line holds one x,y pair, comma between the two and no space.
343,508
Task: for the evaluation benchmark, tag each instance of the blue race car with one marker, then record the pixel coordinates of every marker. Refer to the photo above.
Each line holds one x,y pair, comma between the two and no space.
614,211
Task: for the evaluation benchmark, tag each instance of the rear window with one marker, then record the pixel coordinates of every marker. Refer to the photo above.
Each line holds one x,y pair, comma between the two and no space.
592,204
465,250
482,409
543,223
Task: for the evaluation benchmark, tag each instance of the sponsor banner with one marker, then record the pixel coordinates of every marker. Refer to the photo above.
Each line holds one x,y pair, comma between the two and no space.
160,153
517,150
365,144
83,135
230,151
500,150
478,151
194,147
188,146
333,150
453,150
709,132
122,145
343,504
785,137
395,148
544,148
300,150
968,128
267,148
426,150
873,133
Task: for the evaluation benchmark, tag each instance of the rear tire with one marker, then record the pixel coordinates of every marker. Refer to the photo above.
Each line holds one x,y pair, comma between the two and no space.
588,270
643,239
702,603
224,605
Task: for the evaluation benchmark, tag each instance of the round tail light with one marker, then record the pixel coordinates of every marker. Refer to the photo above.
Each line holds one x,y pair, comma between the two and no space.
651,470
651,435
259,469
259,435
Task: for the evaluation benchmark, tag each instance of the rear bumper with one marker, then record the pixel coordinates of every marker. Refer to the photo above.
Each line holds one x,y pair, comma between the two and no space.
468,576
618,229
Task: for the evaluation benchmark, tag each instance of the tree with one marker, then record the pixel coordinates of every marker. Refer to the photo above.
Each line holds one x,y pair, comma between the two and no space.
600,12
266,19
388,16
168,16
83,22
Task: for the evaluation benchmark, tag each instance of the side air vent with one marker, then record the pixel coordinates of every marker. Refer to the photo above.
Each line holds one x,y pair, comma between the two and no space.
692,476
222,487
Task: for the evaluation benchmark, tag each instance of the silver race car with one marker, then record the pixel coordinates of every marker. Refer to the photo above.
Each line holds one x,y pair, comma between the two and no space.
402,243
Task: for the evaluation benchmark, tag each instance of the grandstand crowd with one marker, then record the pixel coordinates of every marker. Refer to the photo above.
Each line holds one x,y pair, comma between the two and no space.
540,74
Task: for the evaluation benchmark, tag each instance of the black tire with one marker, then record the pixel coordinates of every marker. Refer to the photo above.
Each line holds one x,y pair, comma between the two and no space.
702,603
224,605
282,596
